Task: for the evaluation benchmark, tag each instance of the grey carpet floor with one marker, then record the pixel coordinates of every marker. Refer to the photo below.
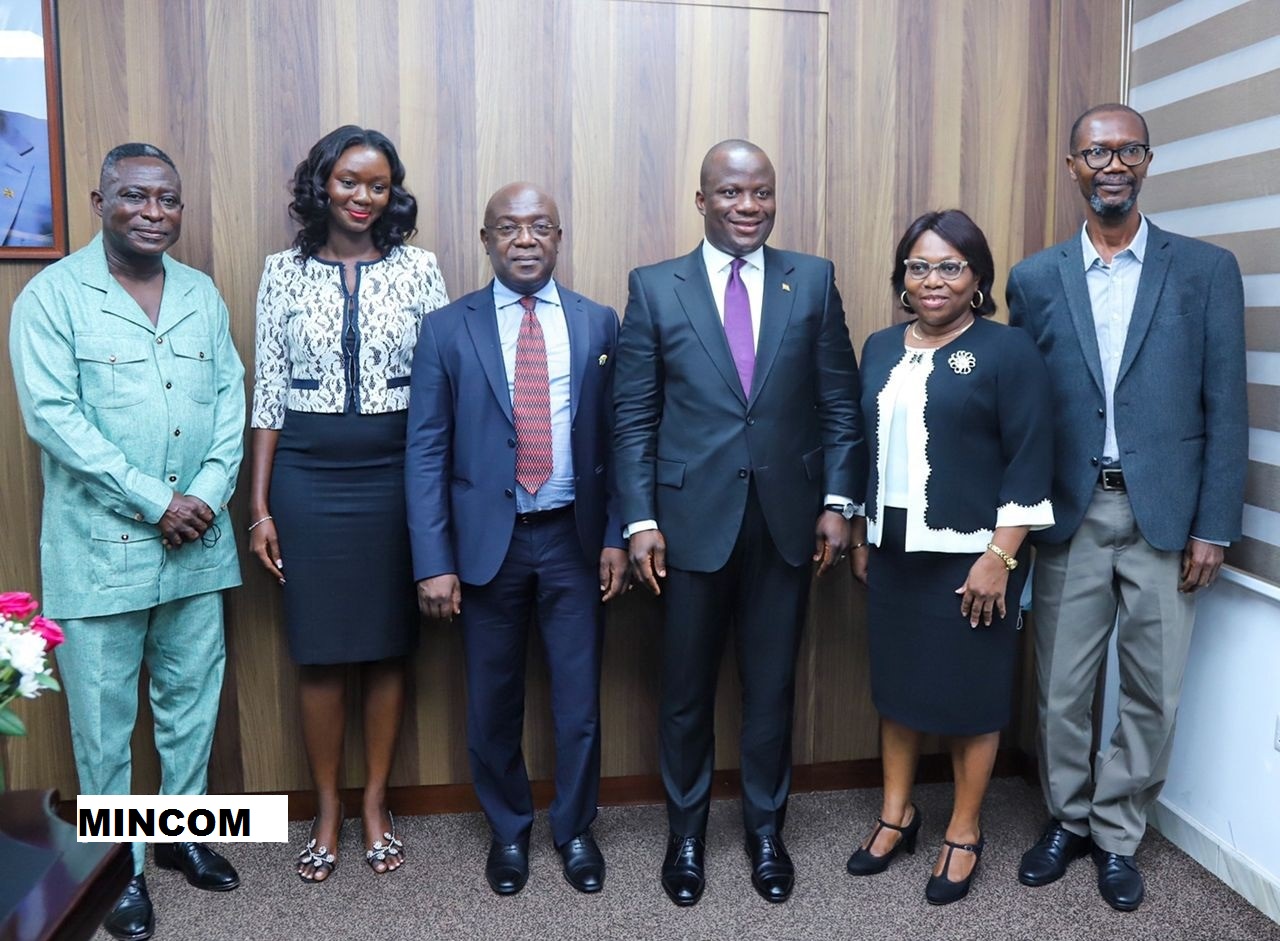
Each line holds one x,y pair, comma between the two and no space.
440,892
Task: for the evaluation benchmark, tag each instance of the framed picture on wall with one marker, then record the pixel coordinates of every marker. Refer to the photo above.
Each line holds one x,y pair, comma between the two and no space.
33,215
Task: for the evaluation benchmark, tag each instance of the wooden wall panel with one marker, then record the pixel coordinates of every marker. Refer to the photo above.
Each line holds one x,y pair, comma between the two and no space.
872,111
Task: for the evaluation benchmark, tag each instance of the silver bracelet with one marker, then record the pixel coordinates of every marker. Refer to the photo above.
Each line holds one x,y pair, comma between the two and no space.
253,526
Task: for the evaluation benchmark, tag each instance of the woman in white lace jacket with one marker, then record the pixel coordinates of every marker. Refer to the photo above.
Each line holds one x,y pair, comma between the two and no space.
338,319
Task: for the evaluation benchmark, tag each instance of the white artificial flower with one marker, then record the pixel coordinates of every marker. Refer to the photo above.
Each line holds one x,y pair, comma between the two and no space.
26,653
28,688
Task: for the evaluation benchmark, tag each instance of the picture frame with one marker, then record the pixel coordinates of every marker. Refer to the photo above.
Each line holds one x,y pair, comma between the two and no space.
33,209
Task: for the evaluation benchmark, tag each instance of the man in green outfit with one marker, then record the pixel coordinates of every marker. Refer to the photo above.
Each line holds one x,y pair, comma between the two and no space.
129,383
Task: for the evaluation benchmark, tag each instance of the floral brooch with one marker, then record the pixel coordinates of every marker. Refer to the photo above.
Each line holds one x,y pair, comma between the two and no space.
962,362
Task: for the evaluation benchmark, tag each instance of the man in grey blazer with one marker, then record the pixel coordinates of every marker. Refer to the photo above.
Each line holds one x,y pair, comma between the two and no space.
1143,333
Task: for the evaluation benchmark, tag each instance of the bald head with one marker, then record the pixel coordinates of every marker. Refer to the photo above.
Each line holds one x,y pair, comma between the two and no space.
521,236
729,151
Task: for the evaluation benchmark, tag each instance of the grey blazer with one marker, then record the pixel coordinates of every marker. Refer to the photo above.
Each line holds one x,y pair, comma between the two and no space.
1180,402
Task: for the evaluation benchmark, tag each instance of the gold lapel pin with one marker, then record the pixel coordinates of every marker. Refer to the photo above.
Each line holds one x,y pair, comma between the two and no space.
8,193
785,286
604,358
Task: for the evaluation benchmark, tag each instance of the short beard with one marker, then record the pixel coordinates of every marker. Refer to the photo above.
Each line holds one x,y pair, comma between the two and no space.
1105,210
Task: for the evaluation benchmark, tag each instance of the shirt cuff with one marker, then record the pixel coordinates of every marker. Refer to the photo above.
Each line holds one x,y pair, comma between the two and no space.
1212,542
640,526
859,509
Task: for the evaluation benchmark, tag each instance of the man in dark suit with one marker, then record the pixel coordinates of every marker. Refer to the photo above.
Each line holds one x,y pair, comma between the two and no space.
508,480
26,194
738,447
1143,333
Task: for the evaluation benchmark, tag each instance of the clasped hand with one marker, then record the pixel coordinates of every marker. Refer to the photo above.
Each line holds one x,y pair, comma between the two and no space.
185,520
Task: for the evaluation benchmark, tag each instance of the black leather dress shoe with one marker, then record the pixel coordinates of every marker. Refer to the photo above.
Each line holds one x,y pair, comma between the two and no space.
1118,880
132,919
772,872
1047,861
683,873
583,863
203,868
508,866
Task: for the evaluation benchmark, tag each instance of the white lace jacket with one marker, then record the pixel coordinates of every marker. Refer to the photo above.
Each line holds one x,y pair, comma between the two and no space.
301,361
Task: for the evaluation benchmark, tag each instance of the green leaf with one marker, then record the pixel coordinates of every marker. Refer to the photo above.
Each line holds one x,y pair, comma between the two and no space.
10,724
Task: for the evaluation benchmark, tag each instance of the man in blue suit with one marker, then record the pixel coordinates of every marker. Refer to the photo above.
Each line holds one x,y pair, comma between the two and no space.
740,452
1143,333
509,481
26,194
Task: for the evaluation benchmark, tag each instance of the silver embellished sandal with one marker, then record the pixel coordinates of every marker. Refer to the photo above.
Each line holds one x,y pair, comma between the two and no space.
318,858
382,851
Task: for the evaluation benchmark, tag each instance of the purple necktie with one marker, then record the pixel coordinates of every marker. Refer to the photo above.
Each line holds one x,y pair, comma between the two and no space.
737,326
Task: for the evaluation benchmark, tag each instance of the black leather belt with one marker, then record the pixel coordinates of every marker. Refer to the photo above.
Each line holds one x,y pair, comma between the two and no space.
543,516
1111,478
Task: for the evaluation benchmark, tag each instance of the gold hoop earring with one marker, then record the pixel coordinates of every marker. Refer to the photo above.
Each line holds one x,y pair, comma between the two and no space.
976,301
902,298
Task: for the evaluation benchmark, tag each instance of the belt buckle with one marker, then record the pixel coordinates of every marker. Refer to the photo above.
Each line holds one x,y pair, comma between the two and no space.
1112,478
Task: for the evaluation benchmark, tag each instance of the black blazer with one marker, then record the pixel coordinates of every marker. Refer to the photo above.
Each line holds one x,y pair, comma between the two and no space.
689,439
987,460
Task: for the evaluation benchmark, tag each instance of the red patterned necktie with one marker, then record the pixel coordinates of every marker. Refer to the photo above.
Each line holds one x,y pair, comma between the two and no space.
531,405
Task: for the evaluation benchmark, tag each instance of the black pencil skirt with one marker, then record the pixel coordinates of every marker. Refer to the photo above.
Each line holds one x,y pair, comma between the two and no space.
930,670
337,496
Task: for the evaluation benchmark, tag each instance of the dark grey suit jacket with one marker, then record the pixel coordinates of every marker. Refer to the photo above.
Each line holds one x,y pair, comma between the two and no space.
1180,403
688,437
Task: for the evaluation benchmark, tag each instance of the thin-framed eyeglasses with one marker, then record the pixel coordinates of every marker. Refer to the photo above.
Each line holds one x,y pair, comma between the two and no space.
918,269
507,231
1131,155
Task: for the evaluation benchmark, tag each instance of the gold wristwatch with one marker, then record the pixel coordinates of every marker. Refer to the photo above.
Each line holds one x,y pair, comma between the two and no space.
1009,561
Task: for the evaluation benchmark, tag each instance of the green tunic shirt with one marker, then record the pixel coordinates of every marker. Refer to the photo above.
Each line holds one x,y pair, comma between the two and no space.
126,413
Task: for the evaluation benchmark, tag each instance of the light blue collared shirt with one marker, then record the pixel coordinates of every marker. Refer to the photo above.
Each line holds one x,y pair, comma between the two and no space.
558,490
1113,289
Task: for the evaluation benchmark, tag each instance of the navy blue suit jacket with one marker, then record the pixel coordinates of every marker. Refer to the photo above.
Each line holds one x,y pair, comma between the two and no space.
1180,400
460,459
690,438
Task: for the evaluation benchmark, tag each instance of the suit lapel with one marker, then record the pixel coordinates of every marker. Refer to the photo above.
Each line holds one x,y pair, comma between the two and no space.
1071,267
694,292
775,314
575,317
482,324
1155,267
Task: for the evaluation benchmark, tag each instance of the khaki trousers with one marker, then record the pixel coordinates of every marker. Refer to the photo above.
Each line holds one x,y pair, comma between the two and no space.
1105,578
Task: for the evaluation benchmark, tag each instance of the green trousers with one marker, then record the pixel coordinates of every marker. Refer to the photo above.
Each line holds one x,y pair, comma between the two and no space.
183,646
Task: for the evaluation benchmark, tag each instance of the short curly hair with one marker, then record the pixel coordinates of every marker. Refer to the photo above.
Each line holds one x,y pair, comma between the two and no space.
310,205
955,228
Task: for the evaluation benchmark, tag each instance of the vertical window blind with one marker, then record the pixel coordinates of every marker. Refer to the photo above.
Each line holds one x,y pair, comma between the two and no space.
1206,75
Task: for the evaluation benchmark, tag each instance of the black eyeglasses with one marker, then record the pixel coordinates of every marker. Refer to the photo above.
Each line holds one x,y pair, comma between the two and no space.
1131,155
508,231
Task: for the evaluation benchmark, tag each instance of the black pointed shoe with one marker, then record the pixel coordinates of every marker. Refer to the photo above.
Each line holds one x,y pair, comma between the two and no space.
683,872
132,918
203,868
583,863
1047,861
942,891
865,863
772,872
507,867
1119,880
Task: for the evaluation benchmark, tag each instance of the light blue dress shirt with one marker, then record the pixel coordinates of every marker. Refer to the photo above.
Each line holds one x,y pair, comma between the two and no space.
1113,289
558,490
